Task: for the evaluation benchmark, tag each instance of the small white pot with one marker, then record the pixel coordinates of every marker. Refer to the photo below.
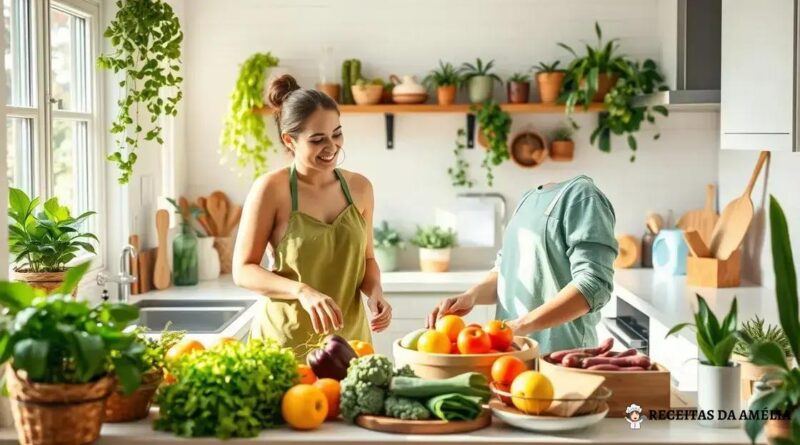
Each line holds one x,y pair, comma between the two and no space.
208,267
434,260
718,394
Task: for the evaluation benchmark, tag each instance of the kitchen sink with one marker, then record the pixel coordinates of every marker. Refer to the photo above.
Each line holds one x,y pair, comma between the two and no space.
194,316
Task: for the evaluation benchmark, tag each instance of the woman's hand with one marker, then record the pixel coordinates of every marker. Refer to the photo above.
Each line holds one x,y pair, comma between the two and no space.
324,312
381,313
459,305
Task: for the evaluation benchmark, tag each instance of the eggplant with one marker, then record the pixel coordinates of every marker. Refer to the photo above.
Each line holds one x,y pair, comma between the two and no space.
332,359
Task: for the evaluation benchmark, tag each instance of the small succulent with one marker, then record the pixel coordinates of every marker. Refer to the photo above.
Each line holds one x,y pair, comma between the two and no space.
446,74
562,134
544,67
519,77
479,69
384,236
755,331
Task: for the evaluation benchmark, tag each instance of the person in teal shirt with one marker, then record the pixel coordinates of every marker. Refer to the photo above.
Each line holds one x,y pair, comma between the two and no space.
554,271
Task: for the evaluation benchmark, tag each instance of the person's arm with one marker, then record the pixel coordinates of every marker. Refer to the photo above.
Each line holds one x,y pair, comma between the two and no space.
569,304
371,284
484,292
255,229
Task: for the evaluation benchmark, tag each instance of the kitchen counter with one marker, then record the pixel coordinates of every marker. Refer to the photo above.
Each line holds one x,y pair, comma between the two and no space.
607,432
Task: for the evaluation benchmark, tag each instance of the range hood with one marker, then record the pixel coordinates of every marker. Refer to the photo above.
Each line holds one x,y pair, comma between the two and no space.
691,54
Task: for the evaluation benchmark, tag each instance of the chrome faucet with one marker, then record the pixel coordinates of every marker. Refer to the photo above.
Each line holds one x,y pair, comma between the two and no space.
123,279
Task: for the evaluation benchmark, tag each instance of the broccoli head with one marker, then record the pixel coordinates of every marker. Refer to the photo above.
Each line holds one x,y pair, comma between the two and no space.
374,369
405,408
405,371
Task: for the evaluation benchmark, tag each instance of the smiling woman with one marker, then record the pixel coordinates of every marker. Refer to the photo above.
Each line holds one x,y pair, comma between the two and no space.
316,220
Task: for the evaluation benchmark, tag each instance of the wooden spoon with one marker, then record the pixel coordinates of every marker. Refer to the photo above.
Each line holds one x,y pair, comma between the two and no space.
697,247
205,219
217,208
234,215
655,223
161,276
735,219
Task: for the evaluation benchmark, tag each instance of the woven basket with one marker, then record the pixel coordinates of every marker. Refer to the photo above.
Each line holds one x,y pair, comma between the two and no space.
135,406
57,414
46,281
224,246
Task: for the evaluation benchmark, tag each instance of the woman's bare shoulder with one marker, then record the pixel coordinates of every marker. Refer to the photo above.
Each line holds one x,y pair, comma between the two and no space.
272,187
357,182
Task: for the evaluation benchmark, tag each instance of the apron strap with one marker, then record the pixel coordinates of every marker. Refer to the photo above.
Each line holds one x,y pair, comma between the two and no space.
345,189
293,187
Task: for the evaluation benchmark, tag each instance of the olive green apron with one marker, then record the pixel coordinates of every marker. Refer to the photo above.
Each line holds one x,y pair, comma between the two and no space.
330,258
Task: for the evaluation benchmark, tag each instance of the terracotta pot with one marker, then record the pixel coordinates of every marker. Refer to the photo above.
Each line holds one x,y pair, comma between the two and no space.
777,429
331,89
528,149
47,281
446,95
562,150
135,406
549,85
605,82
518,92
387,97
367,94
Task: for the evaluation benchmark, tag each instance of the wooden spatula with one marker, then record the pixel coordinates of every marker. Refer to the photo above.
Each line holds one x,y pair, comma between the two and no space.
234,215
655,223
205,219
161,278
697,247
133,240
703,220
217,207
735,219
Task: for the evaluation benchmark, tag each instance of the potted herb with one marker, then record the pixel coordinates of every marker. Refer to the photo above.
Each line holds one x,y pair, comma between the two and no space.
494,126
549,79
716,373
480,80
752,332
435,244
244,133
446,79
386,241
518,88
785,395
63,358
43,242
562,146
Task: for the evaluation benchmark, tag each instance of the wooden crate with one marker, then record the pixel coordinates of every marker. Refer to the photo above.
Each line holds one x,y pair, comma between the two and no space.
648,389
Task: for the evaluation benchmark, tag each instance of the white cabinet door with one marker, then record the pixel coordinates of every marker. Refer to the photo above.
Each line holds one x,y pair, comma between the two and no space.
758,60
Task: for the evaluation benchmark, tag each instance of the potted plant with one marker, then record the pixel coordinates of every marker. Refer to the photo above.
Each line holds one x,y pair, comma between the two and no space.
386,241
435,244
43,242
589,77
785,395
480,80
446,79
518,88
244,133
147,51
716,373
549,79
368,92
494,126
63,358
562,146
459,172
127,407
752,332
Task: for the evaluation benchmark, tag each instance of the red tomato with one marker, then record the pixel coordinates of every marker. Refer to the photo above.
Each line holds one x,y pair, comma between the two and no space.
454,348
506,368
507,389
473,341
500,334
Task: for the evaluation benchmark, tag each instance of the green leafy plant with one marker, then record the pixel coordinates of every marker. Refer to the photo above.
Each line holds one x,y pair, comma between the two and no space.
583,73
146,36
519,77
155,349
561,134
244,134
544,67
459,173
45,241
468,70
785,397
384,236
495,125
351,72
434,237
754,331
231,390
446,74
715,340
57,339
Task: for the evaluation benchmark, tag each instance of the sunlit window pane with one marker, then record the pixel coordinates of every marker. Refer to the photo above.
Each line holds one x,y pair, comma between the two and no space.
68,61
19,61
70,164
19,136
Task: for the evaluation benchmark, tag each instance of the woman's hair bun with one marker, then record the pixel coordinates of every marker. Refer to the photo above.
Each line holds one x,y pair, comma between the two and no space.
280,88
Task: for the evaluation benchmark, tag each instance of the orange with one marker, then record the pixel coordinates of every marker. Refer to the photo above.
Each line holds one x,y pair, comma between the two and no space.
499,333
183,347
450,325
307,376
332,391
304,407
433,342
362,348
506,368
169,378
532,392
474,341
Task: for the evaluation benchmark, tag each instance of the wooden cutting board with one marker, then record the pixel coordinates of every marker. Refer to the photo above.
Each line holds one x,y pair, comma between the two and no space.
703,220
571,386
629,250
133,240
398,426
161,272
146,260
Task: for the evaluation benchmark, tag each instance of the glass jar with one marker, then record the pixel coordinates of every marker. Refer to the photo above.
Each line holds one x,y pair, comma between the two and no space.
184,257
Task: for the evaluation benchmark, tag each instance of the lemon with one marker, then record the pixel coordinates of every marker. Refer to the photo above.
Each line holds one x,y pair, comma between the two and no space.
532,392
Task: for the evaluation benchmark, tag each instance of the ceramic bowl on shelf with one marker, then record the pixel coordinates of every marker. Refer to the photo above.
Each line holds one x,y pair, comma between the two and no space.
367,94
546,424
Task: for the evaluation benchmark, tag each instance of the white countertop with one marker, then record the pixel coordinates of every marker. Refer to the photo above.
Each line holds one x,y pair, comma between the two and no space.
607,432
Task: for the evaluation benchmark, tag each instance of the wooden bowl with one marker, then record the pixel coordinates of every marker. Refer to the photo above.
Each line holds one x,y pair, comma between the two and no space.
442,366
528,148
367,94
420,98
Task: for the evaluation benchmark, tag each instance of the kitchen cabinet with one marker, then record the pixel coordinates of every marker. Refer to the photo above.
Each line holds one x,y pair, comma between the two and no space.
759,69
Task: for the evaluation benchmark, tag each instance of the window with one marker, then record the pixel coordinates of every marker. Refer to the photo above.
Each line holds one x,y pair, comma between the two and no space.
52,96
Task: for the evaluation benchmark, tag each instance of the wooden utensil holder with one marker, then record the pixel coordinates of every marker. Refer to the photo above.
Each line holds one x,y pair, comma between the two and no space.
713,272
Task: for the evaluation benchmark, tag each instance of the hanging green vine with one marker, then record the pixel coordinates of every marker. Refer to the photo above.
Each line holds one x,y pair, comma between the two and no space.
459,173
494,124
245,132
146,36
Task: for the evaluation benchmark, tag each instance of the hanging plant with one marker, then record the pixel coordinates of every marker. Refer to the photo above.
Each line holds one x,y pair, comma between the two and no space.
494,124
245,133
459,173
146,36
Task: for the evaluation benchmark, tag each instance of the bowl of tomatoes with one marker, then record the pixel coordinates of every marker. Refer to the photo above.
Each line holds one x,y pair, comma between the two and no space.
454,347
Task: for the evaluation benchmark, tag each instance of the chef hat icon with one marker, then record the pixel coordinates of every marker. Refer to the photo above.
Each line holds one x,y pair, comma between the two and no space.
633,408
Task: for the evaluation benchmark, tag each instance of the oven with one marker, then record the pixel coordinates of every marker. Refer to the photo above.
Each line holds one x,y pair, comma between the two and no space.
630,327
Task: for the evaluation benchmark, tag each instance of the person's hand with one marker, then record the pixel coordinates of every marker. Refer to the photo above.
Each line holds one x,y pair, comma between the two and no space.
381,312
324,312
516,326
459,305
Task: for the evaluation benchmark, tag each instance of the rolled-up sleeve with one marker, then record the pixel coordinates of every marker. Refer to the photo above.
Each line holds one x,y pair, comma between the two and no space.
591,248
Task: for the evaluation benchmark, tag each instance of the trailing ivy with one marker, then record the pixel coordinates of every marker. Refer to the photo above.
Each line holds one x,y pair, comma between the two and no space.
146,36
245,133
494,124
459,173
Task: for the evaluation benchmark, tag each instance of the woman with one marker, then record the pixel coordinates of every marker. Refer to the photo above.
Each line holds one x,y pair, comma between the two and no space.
317,221
554,271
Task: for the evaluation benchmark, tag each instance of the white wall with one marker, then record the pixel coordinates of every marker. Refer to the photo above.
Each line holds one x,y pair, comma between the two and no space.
409,38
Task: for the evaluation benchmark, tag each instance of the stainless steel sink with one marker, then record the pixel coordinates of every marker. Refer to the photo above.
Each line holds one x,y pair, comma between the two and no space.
197,316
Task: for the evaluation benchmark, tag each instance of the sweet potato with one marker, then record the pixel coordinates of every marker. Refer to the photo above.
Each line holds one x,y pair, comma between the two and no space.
604,368
604,346
573,360
623,362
